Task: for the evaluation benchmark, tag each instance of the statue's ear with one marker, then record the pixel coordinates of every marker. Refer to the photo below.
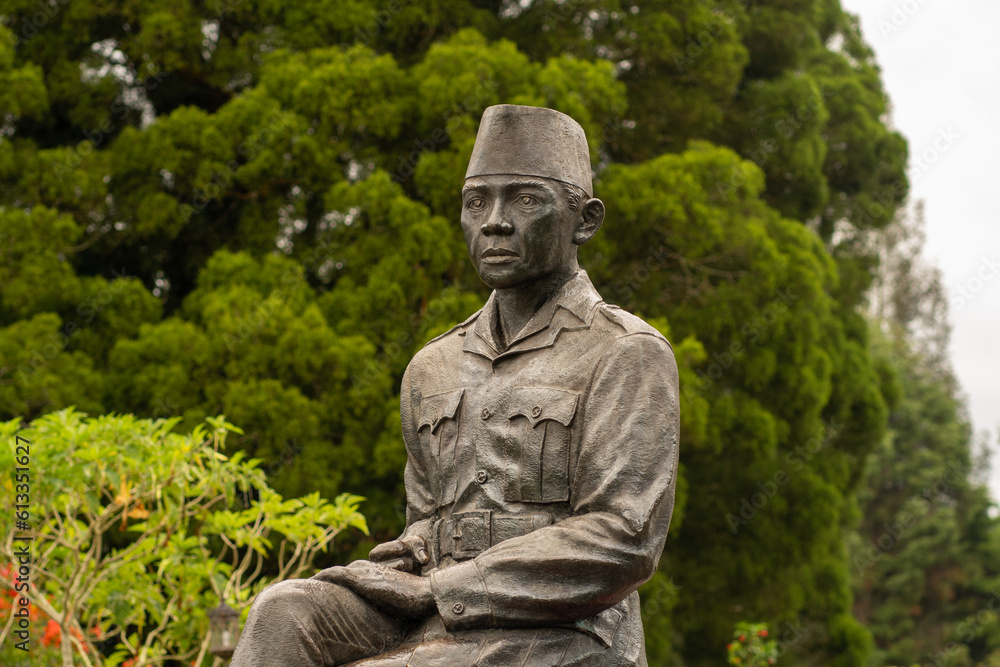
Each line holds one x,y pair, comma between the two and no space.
591,219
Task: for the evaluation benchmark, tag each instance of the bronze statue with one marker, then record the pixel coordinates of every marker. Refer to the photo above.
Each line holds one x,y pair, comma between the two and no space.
542,446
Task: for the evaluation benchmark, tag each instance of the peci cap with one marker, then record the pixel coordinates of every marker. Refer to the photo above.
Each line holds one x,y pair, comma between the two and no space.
531,141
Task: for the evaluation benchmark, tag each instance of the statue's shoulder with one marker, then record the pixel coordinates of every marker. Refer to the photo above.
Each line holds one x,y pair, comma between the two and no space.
625,323
441,352
457,331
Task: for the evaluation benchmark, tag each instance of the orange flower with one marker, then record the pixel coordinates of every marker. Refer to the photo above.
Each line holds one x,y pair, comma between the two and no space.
129,662
762,633
53,635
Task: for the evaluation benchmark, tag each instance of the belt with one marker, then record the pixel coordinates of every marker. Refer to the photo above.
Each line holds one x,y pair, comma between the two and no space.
468,534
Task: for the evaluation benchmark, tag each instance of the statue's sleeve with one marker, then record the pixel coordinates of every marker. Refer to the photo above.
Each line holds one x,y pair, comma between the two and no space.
622,493
420,505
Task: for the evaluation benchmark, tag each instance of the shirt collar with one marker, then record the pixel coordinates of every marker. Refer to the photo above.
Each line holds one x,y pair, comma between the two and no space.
571,307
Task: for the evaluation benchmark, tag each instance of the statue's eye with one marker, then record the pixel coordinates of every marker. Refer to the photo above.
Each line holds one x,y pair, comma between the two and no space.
526,200
476,204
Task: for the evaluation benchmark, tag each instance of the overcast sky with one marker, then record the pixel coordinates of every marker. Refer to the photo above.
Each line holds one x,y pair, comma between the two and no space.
940,63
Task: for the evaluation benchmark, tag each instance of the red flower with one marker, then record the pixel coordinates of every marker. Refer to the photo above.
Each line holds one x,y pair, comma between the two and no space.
129,662
762,633
743,638
52,635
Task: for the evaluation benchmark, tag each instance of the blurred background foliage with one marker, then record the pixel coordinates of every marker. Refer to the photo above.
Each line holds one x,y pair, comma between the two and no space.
138,532
249,208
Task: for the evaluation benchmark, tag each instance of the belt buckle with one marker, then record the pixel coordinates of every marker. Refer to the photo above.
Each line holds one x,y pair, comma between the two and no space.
470,534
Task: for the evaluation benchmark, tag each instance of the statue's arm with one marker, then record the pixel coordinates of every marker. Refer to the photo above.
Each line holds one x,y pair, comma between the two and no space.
622,491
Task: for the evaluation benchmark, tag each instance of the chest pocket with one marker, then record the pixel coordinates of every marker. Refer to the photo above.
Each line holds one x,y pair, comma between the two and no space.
542,419
438,429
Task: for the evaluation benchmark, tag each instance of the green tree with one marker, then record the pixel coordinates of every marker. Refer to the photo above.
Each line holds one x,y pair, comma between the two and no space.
136,532
926,558
779,407
250,208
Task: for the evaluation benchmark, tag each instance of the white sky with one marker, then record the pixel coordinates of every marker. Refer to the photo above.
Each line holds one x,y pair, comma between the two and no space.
940,63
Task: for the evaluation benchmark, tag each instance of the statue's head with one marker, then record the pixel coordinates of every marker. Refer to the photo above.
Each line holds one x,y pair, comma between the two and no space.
527,202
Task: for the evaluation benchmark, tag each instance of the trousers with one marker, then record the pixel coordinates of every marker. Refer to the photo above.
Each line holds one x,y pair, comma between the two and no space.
312,623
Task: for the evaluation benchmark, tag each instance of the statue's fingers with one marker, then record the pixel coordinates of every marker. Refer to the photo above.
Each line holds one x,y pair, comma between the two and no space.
418,548
388,551
365,565
334,575
421,555
401,564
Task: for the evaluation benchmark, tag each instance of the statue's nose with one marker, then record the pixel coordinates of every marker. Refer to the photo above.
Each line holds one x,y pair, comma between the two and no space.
497,225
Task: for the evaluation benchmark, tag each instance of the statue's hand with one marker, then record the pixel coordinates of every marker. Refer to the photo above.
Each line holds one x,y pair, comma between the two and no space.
395,592
405,555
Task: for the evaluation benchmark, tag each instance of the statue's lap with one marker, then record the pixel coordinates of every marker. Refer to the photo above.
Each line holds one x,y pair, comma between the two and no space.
432,646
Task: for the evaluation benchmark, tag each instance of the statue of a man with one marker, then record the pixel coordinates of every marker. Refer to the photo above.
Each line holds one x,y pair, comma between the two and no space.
542,446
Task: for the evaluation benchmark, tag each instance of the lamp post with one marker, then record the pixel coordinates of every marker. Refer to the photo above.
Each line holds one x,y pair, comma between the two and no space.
224,622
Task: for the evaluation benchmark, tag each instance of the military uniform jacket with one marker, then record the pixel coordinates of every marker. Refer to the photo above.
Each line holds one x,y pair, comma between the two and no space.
542,478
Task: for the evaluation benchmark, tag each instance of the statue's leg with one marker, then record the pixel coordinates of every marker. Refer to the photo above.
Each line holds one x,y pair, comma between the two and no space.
312,623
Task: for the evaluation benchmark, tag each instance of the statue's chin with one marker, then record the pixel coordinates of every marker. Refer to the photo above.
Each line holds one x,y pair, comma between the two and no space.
516,274
501,284
501,275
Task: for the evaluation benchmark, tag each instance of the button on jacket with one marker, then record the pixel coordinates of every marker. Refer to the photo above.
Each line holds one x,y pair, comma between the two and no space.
542,477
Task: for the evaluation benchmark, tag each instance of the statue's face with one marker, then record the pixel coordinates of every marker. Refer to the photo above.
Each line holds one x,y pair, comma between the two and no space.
519,229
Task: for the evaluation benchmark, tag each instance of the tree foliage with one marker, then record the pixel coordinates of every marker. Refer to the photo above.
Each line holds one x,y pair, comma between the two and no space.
926,559
250,207
137,532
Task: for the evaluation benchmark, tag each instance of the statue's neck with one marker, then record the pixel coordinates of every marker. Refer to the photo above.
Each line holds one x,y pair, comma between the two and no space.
517,305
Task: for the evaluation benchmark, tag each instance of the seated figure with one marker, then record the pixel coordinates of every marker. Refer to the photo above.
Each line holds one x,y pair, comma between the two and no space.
542,442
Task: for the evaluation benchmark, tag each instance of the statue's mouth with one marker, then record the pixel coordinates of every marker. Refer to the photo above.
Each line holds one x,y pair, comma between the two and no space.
498,255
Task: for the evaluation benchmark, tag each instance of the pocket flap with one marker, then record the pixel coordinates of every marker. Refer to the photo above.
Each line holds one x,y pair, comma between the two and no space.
437,407
539,403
